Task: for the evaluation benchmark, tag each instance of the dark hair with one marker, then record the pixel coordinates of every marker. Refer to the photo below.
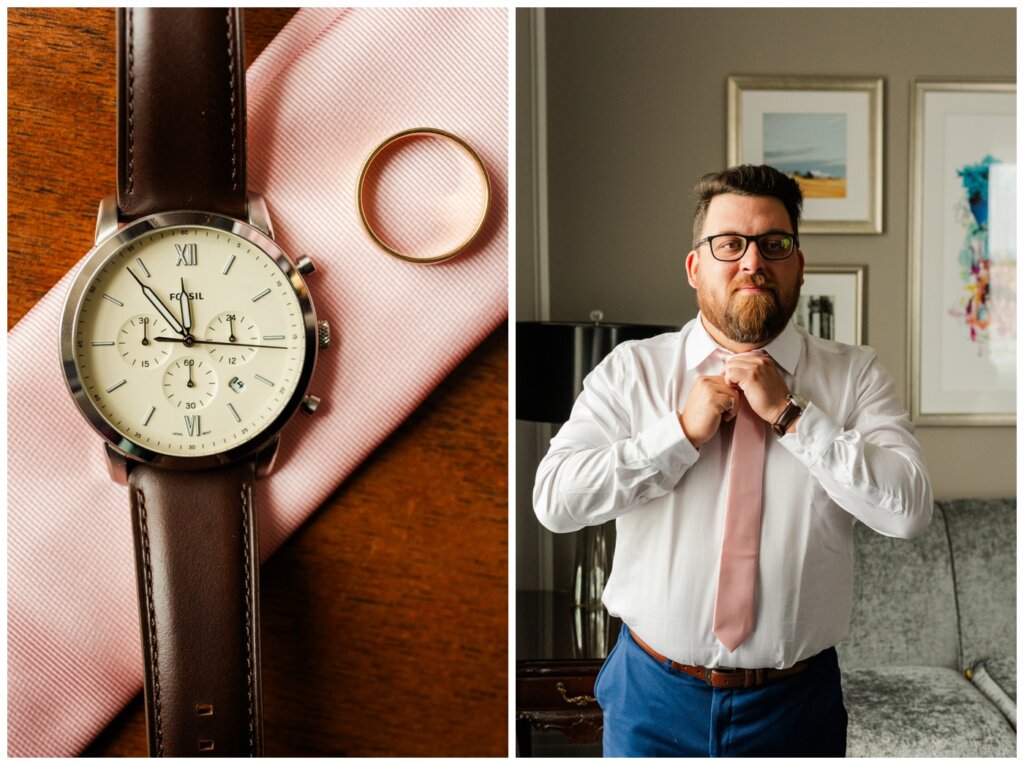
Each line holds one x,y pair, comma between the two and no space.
751,181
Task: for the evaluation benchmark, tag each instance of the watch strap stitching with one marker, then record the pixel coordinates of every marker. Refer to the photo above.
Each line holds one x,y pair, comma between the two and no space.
232,75
185,706
131,101
175,151
248,548
140,499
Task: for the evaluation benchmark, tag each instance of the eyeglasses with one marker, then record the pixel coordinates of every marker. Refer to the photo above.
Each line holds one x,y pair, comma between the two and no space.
730,247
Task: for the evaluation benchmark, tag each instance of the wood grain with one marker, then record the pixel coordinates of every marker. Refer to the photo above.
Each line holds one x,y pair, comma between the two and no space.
385,615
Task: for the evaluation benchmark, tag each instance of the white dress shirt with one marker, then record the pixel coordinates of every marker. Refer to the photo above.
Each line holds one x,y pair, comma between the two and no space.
623,455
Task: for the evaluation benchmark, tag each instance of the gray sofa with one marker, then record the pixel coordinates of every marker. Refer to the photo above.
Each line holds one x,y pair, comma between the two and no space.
930,663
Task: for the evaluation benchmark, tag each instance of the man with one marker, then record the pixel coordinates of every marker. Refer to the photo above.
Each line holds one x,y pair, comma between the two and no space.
735,456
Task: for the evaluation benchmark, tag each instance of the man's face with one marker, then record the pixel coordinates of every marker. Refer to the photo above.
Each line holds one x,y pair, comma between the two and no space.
749,300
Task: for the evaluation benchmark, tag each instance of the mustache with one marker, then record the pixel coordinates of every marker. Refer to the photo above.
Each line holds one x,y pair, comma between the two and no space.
757,280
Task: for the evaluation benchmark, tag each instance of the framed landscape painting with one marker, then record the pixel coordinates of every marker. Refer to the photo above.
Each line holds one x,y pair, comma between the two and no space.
826,133
963,270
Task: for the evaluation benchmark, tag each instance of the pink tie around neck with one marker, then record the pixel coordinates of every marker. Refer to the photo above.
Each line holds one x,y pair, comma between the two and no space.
322,95
741,537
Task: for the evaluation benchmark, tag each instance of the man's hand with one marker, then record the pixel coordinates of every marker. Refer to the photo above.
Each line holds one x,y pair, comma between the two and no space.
761,382
711,401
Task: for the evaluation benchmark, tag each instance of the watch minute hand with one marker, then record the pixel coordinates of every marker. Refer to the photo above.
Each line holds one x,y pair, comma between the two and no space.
159,306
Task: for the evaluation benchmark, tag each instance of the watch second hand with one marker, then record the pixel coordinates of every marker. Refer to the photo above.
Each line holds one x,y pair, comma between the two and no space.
159,306
216,342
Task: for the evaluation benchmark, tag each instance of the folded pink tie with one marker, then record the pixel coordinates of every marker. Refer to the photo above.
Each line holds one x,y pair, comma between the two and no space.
741,536
324,93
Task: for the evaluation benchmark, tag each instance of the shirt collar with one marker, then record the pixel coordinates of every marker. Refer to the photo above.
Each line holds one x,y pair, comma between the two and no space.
784,349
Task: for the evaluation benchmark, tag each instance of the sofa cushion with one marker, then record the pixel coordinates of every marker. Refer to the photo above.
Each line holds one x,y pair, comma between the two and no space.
983,538
904,609
912,711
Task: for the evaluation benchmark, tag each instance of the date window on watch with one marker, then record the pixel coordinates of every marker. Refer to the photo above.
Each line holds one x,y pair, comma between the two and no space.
236,385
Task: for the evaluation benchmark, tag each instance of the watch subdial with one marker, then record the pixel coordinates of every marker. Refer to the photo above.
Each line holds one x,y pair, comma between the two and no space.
190,383
136,345
231,332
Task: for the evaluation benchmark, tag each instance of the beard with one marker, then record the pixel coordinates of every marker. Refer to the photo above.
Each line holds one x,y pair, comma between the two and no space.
753,319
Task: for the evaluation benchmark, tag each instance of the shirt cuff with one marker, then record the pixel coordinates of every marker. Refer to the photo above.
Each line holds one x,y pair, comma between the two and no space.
667,446
815,432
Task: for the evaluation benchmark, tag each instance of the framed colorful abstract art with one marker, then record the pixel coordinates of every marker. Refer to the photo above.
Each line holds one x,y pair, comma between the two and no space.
825,132
963,266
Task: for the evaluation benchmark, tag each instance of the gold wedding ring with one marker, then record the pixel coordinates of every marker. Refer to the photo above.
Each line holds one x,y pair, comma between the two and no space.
381,149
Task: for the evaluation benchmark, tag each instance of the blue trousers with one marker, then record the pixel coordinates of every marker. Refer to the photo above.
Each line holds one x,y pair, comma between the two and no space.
652,710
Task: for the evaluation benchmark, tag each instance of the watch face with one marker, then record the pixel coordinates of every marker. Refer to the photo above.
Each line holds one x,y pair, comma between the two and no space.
188,335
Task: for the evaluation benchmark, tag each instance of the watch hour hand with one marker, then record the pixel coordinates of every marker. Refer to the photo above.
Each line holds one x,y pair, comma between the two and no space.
159,306
186,308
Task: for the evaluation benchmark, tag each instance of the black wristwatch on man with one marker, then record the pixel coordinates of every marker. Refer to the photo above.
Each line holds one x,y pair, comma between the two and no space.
794,408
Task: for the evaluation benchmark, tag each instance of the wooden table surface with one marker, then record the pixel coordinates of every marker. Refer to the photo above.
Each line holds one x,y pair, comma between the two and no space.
376,640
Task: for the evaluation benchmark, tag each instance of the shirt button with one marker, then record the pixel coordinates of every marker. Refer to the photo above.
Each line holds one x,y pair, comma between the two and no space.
799,450
809,439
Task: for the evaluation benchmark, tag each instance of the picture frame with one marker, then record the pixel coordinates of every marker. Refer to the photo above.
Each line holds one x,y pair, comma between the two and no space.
824,131
831,303
963,291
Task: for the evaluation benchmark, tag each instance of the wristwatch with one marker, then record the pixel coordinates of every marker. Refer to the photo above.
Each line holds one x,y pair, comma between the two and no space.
793,409
188,340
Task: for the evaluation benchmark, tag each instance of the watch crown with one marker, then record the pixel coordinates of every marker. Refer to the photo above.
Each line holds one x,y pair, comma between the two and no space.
323,333
305,265
310,403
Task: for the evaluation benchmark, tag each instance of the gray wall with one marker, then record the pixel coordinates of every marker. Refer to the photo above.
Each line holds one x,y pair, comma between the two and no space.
636,112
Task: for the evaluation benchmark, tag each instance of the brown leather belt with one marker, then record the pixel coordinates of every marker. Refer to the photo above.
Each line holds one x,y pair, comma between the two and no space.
717,677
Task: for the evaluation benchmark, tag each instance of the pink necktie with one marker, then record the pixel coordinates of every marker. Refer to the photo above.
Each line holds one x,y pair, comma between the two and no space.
324,93
741,537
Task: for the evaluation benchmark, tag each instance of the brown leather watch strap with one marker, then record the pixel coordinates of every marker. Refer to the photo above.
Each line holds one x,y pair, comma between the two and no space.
197,566
181,111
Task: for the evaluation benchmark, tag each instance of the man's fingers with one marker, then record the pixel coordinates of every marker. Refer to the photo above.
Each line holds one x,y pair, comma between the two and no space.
723,396
749,366
710,402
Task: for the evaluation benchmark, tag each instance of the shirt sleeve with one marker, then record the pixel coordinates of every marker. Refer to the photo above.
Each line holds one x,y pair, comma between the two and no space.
873,468
597,467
